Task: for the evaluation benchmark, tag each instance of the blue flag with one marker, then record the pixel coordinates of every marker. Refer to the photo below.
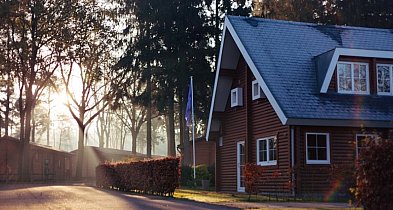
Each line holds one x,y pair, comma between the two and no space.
189,105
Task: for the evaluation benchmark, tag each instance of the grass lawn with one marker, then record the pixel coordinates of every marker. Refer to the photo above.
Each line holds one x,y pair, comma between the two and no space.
208,196
217,197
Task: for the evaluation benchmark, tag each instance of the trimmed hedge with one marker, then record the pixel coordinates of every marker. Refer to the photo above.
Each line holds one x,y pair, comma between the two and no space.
158,177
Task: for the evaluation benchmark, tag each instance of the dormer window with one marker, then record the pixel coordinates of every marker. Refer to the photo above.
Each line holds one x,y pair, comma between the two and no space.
384,79
256,90
352,78
236,97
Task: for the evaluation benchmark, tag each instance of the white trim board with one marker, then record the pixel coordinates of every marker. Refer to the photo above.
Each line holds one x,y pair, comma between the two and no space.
350,52
256,73
216,82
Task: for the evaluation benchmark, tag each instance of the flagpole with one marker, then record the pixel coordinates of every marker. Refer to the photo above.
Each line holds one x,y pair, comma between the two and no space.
193,126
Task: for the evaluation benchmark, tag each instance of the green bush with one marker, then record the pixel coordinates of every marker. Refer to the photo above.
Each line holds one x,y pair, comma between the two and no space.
374,175
159,177
202,172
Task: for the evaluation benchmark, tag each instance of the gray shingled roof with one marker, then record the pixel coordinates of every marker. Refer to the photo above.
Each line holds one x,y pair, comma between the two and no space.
284,53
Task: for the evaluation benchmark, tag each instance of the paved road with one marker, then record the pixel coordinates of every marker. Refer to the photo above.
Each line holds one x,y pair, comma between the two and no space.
33,196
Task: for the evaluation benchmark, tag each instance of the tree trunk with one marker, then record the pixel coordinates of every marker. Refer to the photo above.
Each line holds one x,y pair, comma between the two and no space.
81,146
26,139
79,164
171,126
7,106
133,138
183,132
148,115
49,120
34,125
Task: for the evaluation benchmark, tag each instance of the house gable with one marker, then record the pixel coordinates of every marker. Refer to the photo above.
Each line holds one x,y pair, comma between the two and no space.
230,49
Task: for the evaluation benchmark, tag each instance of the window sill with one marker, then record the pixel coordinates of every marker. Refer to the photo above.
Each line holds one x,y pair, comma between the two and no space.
270,163
317,162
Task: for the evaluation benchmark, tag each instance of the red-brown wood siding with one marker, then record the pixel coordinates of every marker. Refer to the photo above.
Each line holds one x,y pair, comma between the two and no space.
261,121
205,152
317,178
233,131
57,168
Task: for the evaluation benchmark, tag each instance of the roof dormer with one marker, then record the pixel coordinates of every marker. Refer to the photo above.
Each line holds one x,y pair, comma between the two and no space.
350,77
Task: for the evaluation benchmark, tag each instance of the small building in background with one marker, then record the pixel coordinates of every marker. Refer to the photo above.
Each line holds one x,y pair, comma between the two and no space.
93,156
205,152
46,163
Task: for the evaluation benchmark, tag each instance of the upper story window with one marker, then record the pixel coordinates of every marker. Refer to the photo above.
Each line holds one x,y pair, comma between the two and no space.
267,151
384,79
317,148
236,97
256,90
353,78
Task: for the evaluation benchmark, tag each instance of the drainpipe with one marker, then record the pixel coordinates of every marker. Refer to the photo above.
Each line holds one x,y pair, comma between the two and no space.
293,159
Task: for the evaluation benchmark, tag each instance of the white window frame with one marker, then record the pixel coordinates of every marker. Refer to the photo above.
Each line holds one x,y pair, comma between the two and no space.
327,161
352,91
236,97
220,141
391,79
268,162
363,135
256,93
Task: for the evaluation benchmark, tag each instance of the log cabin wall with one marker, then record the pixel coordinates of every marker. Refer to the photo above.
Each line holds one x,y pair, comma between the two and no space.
319,179
254,120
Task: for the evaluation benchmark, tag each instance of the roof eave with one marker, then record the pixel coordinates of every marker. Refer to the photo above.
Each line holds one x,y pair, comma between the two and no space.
340,123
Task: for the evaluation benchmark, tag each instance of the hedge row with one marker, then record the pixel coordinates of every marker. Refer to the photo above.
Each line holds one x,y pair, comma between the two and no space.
158,177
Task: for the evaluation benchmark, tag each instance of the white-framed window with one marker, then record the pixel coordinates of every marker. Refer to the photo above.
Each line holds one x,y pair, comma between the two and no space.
384,79
256,90
220,141
361,141
236,97
353,78
317,148
267,151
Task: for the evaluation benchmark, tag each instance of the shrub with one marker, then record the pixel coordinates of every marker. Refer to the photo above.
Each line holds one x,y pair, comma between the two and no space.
202,172
158,177
252,174
374,175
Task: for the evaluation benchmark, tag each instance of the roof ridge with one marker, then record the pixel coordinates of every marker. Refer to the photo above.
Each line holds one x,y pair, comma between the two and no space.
289,22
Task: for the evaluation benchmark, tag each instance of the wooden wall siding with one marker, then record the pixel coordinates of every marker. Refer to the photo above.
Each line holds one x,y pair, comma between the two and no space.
56,167
260,122
233,131
264,122
317,178
205,152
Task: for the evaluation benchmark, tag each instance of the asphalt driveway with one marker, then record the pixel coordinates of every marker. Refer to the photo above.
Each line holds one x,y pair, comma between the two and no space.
79,196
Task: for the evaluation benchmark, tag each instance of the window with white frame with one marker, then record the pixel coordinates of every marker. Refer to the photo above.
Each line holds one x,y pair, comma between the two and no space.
236,97
256,90
352,78
317,148
361,140
267,151
384,79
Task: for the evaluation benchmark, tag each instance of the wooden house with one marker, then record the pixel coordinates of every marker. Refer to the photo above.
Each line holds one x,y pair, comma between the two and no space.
298,99
46,164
